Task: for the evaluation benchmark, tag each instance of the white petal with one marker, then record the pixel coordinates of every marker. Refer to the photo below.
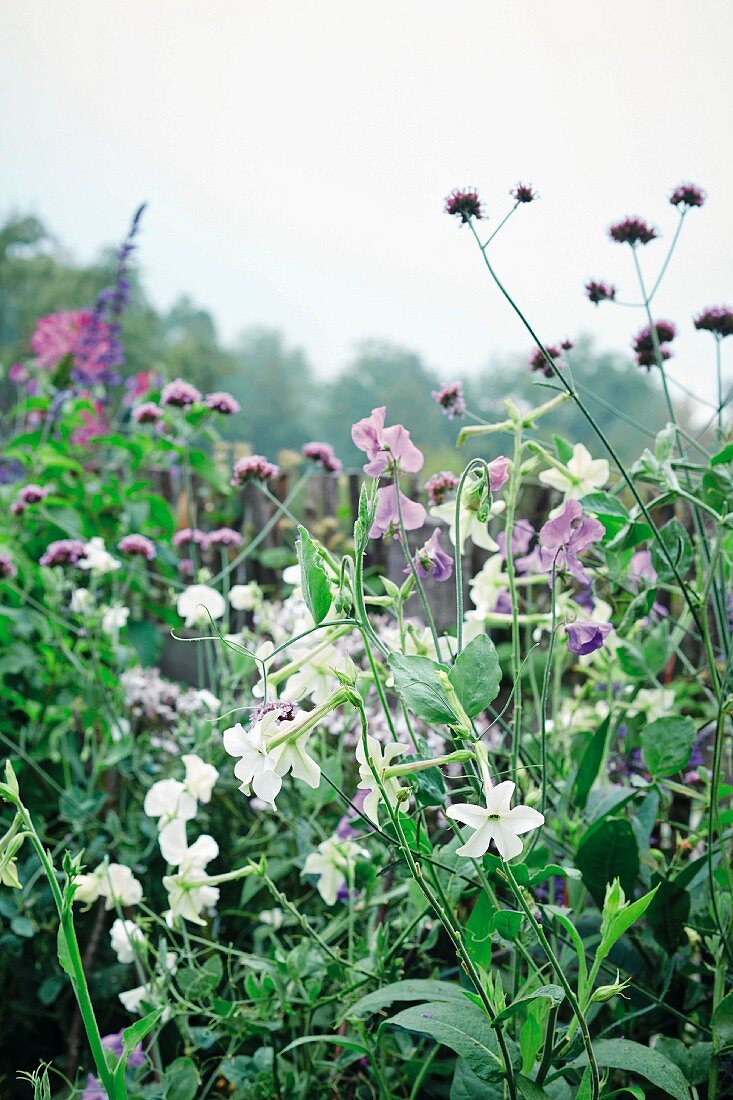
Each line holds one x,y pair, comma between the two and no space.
235,740
507,842
522,819
473,816
477,845
499,798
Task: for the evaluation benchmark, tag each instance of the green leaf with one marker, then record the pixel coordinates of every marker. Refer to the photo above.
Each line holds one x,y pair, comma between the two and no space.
675,539
476,675
666,745
181,1080
622,921
608,850
641,1060
668,914
467,1086
316,589
62,952
479,929
590,764
552,993
464,1028
722,1022
417,685
335,1040
132,1036
530,1090
507,923
200,981
726,455
416,989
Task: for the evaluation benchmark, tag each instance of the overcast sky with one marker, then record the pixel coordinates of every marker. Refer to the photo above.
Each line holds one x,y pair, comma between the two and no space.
295,156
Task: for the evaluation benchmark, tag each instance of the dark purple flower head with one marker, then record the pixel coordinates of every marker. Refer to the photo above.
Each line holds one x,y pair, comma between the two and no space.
147,413
716,319
222,403
7,566
586,637
451,400
523,192
63,552
180,394
522,535
322,455
192,536
688,195
286,711
32,494
538,360
17,508
566,536
432,561
439,485
464,204
253,468
644,339
567,344
225,536
598,291
632,231
648,359
137,545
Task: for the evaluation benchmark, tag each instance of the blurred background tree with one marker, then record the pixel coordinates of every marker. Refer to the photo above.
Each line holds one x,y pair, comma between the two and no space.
284,400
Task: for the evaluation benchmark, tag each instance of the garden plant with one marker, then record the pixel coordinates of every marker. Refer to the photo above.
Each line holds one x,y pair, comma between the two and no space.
344,844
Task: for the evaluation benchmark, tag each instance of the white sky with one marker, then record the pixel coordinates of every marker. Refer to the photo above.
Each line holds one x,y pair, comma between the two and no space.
295,155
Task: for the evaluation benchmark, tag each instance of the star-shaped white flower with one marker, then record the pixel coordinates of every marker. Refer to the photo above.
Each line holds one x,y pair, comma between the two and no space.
581,475
334,863
496,821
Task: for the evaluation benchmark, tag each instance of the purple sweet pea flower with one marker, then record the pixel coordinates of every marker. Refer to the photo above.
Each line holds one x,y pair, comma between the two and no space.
586,637
432,561
641,568
386,448
387,516
566,536
522,535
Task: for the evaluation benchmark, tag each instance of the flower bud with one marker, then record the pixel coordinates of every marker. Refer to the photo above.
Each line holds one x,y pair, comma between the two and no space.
607,992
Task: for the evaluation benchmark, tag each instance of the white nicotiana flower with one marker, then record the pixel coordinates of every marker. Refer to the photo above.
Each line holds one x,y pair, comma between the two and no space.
200,777
169,801
381,759
124,935
473,515
496,821
581,475
490,581
265,755
81,601
97,559
208,699
188,891
334,863
315,679
245,597
197,602
115,619
653,703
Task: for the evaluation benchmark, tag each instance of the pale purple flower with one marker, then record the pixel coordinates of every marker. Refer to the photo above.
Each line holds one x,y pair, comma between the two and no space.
432,561
180,394
503,605
386,519
439,485
451,400
139,545
566,536
77,335
147,413
641,568
323,456
498,473
586,637
18,373
522,535
32,494
222,402
63,552
186,569
225,536
253,468
93,1089
388,449
7,567
191,535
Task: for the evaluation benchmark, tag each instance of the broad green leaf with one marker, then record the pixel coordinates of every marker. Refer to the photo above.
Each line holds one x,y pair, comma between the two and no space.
590,764
467,1086
465,1028
417,685
552,993
132,1036
181,1080
476,675
668,914
417,989
666,745
641,1060
608,850
726,455
316,589
507,923
199,981
479,929
722,1022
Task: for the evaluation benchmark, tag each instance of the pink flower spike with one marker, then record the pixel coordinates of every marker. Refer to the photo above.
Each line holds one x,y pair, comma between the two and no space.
387,516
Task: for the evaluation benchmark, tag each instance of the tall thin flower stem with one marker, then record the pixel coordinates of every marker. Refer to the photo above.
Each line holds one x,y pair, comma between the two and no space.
512,581
413,570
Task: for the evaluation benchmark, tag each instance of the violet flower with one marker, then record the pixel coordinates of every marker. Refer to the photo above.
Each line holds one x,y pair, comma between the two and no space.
387,517
388,449
253,468
137,545
432,561
566,536
322,455
522,535
586,637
